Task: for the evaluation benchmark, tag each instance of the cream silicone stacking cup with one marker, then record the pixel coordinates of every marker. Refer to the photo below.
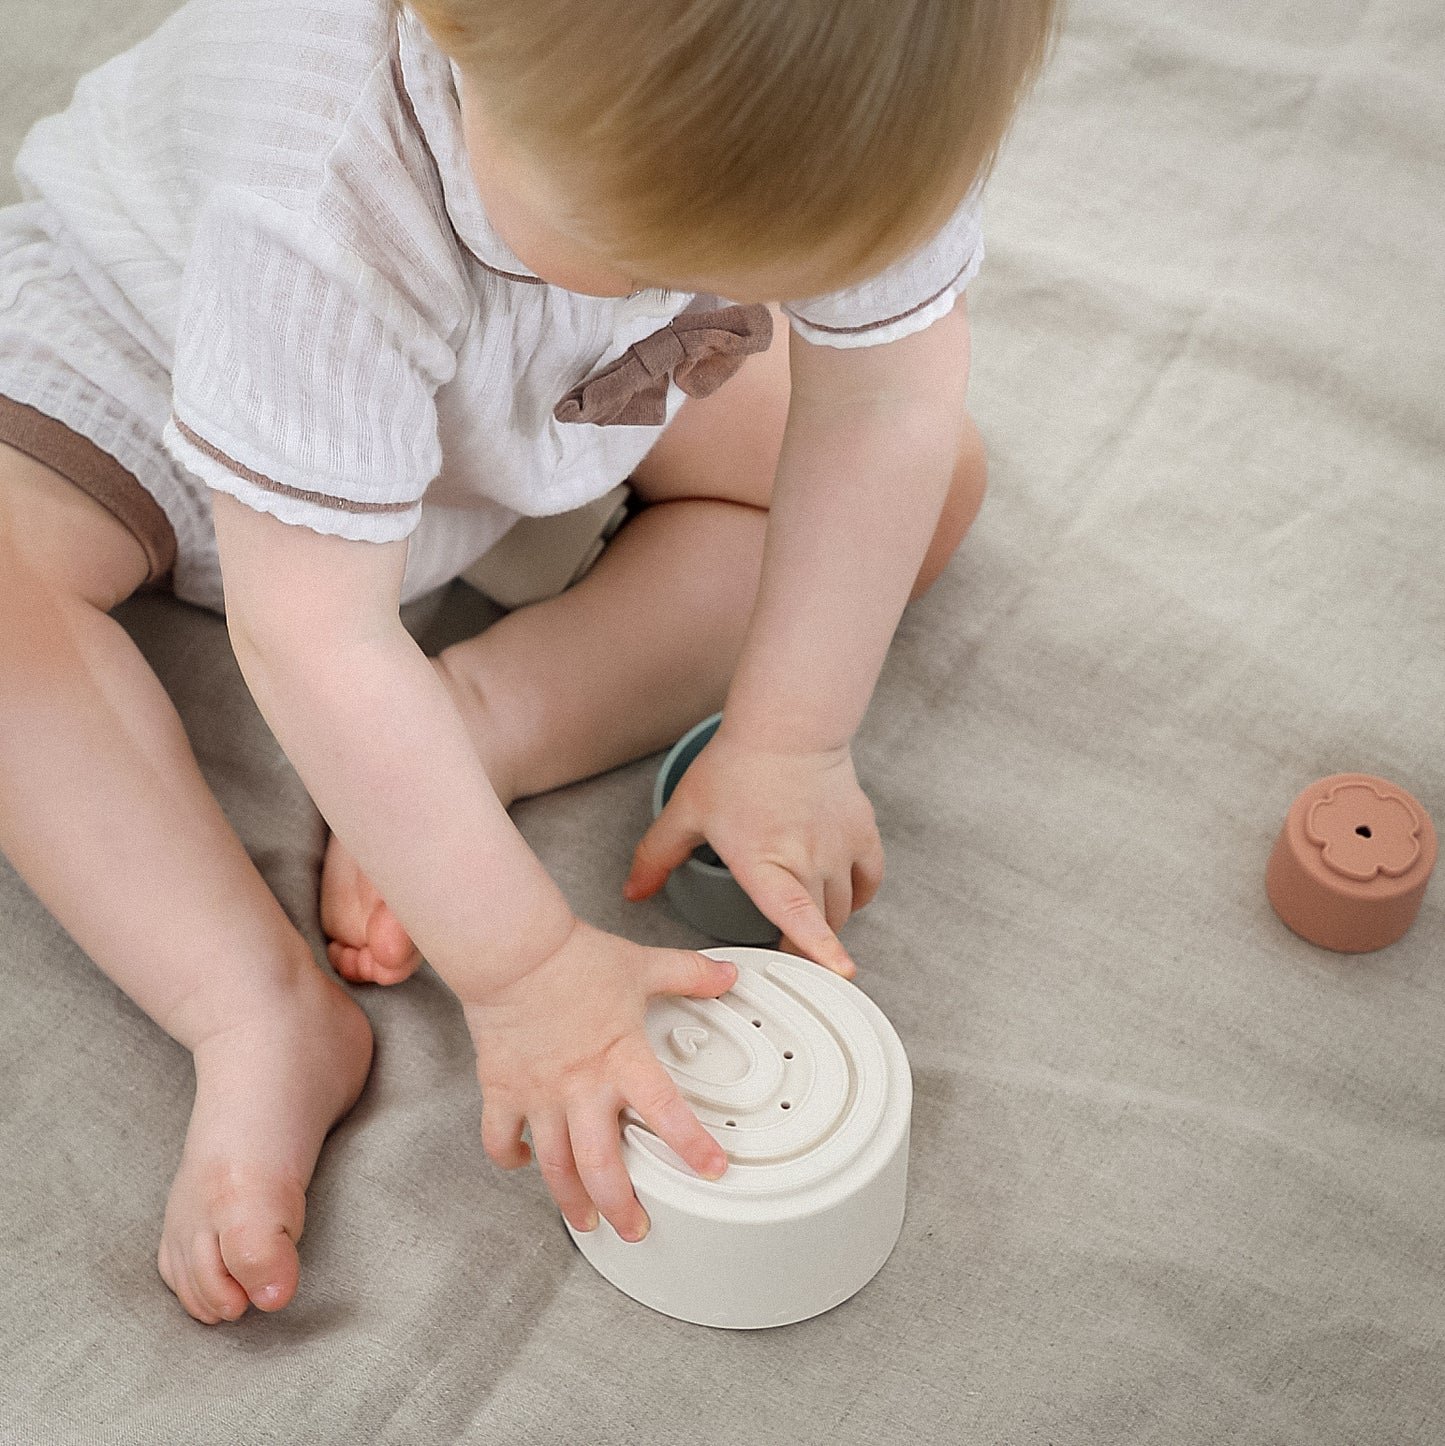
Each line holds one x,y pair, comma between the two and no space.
805,1084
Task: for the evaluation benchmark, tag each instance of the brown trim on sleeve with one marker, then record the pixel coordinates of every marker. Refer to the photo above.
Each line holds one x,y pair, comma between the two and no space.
98,475
888,320
320,499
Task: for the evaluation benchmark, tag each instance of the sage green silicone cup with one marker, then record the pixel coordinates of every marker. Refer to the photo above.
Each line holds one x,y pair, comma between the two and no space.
702,891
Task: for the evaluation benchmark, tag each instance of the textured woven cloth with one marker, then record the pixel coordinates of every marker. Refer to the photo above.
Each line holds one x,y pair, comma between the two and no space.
1177,1176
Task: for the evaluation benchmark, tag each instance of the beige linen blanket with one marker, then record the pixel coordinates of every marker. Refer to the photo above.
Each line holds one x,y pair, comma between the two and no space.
1177,1176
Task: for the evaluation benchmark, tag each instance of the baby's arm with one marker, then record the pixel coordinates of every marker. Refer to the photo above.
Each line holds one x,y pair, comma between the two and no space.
555,1007
314,622
868,457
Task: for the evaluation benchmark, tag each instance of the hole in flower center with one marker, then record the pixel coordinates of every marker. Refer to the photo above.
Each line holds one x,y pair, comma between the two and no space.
1363,830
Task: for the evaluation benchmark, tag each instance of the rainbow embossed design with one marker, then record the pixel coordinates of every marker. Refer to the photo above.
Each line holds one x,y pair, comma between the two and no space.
804,1082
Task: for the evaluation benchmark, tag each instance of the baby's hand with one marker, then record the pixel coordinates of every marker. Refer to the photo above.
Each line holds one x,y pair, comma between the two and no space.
795,829
562,1050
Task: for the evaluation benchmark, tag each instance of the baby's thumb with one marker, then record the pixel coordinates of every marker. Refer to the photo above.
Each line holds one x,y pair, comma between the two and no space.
695,975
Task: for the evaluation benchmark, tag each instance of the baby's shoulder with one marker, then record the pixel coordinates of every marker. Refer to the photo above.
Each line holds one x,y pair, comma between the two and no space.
309,113
268,77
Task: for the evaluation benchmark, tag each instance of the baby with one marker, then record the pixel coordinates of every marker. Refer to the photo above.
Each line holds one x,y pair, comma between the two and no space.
302,310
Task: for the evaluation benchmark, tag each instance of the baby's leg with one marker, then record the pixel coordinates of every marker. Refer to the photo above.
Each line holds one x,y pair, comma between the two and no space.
630,657
104,813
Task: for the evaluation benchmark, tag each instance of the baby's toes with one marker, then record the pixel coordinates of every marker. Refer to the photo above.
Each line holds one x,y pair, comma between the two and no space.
204,1288
217,1289
393,957
263,1261
347,961
180,1284
388,962
368,944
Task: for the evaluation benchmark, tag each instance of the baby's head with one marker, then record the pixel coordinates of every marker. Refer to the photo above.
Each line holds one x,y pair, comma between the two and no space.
759,149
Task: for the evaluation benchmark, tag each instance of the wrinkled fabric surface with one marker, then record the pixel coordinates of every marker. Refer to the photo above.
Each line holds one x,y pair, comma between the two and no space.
1177,1176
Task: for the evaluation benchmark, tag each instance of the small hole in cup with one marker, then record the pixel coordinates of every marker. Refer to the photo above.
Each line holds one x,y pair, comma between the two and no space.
757,1024
731,1124
787,1054
787,1104
1363,830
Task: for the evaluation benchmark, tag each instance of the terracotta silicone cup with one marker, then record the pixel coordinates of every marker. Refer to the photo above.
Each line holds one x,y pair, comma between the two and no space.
703,891
803,1081
1351,863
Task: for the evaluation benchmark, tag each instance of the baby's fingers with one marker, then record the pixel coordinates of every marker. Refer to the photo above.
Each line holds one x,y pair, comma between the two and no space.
867,877
656,1098
785,902
552,1146
502,1136
665,846
597,1149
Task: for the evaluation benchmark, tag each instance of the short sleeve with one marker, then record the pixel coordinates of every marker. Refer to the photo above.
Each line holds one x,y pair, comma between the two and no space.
304,381
910,295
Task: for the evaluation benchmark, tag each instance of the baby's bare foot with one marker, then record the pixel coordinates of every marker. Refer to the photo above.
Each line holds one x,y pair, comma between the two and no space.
367,943
268,1089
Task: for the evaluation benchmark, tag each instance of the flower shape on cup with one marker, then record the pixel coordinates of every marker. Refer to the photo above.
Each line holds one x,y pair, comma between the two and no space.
1362,832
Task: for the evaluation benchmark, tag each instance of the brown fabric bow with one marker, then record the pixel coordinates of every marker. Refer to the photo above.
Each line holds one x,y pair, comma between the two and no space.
699,350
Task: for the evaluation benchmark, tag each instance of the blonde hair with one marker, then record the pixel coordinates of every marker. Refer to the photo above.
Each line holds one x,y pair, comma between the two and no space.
714,135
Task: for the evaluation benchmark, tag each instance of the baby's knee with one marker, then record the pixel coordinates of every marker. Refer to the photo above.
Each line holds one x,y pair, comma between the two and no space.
960,507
